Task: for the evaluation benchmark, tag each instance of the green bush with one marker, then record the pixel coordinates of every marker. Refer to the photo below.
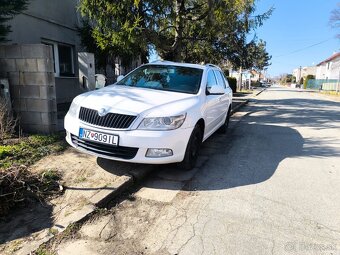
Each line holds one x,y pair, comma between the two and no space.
232,83
309,77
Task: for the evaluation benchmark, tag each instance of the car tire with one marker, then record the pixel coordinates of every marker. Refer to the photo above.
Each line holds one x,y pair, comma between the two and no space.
223,129
192,150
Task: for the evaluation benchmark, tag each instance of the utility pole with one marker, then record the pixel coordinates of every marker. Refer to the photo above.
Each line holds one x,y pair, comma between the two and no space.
300,74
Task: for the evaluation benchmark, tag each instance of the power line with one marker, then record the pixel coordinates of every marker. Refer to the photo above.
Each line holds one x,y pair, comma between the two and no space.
307,47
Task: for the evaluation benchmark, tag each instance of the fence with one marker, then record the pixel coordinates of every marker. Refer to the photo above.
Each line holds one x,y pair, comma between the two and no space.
320,84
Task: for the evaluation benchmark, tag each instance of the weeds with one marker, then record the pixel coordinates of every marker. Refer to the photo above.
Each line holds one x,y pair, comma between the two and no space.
30,150
43,251
7,121
19,186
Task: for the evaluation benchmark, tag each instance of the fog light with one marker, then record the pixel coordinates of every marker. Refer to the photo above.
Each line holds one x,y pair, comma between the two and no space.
158,153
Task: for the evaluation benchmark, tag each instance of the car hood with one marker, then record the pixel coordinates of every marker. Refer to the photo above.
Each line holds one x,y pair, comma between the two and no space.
130,100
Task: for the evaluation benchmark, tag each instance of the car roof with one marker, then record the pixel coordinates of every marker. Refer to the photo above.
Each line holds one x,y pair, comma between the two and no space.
163,62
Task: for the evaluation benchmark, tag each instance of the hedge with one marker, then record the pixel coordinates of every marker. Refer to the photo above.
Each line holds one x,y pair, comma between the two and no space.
309,77
232,83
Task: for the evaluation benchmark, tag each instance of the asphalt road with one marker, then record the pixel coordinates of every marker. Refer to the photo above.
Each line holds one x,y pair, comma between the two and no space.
271,185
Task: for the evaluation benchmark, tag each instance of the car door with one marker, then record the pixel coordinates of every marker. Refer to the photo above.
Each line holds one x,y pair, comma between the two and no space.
213,107
225,99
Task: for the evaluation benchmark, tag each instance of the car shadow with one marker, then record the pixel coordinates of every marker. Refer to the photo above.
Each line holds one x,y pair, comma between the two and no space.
117,167
252,150
31,218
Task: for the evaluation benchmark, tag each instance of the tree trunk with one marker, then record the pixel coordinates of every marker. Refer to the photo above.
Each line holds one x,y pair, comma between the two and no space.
240,79
179,26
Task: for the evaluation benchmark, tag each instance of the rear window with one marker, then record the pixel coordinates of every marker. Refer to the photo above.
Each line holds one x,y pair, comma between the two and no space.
168,78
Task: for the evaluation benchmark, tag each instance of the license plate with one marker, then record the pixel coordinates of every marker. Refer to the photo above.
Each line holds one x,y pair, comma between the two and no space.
98,137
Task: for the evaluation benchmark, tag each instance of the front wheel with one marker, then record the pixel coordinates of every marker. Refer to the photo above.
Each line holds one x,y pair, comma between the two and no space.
191,152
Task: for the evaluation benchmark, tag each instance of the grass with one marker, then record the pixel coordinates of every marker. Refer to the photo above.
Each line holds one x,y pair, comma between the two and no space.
331,93
30,149
44,251
53,231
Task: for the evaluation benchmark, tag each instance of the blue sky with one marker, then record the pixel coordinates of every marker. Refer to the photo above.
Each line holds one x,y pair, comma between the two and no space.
293,28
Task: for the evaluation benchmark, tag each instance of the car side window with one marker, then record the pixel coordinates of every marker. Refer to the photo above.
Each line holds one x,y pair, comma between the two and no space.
211,81
220,79
225,80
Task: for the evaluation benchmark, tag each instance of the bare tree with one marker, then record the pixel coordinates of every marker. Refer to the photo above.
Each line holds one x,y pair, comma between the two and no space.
335,18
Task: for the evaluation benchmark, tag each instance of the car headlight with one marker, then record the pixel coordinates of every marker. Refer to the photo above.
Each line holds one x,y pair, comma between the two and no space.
73,109
162,123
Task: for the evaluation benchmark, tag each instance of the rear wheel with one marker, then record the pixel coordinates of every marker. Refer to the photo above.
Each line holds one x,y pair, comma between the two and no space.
223,129
192,150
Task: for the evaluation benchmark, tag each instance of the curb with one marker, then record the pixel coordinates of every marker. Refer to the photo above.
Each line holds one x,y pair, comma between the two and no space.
101,199
258,93
245,102
238,107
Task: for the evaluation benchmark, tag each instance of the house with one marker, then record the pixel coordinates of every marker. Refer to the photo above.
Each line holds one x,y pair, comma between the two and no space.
45,63
329,69
302,72
257,76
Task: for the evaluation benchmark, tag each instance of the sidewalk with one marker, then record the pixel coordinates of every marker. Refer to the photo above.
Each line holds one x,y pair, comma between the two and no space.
241,98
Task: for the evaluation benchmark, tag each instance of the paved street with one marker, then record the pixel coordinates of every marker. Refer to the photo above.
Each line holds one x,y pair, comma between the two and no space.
271,185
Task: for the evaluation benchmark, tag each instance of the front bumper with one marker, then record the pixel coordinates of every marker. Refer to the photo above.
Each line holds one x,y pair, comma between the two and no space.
176,140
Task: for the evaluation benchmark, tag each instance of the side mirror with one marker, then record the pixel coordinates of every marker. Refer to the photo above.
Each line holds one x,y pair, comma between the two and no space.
120,77
215,90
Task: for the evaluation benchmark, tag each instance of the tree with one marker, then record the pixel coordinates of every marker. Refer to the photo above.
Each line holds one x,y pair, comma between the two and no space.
8,9
261,58
180,30
293,79
287,78
335,18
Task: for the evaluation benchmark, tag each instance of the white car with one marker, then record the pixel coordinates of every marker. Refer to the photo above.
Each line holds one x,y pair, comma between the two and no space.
157,114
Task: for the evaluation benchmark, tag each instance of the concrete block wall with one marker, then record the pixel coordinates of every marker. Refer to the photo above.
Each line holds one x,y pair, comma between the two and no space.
29,69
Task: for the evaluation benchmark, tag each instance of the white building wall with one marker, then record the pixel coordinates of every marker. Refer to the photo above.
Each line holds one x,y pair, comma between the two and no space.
329,70
334,70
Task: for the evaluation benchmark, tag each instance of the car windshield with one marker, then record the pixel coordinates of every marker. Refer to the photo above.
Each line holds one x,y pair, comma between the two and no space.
164,77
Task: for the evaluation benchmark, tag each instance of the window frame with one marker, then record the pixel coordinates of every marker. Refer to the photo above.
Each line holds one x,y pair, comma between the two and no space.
56,62
213,72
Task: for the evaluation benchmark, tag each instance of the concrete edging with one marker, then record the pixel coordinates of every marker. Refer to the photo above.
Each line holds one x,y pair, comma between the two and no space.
238,107
258,93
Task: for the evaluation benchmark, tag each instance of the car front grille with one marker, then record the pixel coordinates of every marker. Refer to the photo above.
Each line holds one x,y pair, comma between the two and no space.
110,120
103,149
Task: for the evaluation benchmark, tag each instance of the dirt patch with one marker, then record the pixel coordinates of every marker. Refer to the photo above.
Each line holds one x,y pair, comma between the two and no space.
115,231
83,176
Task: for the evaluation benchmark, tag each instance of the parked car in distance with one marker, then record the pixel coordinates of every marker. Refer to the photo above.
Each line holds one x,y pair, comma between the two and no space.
157,114
265,84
